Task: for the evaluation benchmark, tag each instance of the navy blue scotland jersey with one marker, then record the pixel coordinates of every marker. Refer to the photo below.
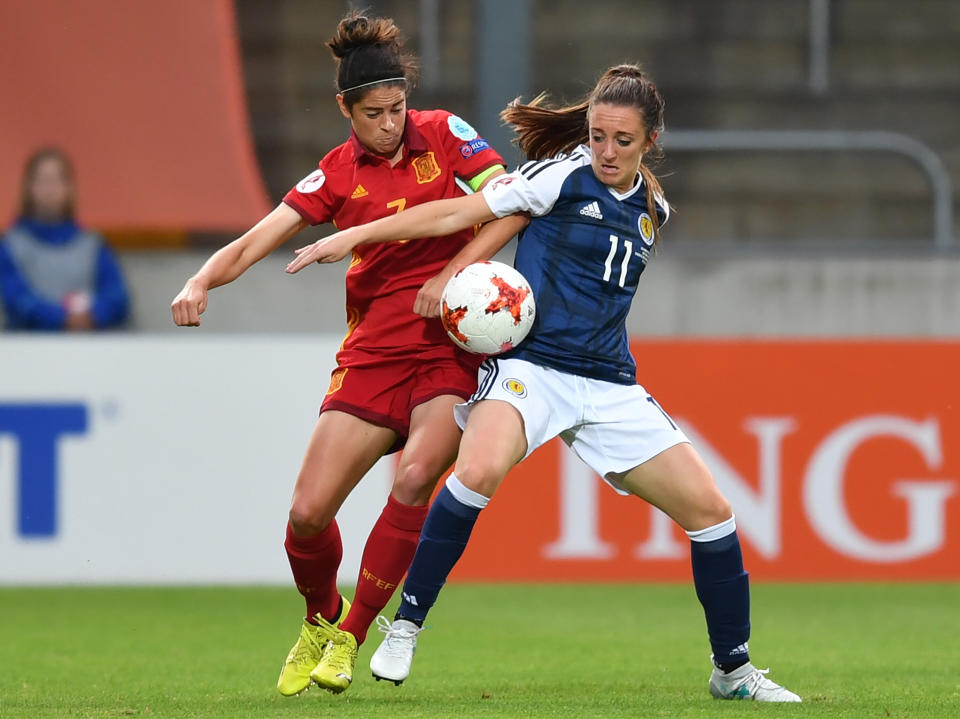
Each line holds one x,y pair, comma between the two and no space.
583,253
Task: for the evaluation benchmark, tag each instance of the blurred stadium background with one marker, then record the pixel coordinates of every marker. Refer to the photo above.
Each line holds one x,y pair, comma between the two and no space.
801,317
867,253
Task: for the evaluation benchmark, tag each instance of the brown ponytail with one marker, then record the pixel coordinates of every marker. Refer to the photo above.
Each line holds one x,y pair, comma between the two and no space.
544,132
369,53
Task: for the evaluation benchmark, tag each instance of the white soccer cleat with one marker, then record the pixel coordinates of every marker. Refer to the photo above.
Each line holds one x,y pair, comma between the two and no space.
748,682
393,657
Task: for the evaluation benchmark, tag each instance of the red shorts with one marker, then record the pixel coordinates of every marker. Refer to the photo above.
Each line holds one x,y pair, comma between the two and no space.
385,394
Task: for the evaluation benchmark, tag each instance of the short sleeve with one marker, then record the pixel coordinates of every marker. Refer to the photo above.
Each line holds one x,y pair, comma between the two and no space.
468,153
533,188
313,198
663,208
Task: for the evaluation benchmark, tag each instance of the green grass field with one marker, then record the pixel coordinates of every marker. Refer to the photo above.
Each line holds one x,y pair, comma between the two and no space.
862,650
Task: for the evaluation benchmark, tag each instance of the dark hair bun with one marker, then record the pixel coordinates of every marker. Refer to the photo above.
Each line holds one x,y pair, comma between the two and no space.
369,50
357,31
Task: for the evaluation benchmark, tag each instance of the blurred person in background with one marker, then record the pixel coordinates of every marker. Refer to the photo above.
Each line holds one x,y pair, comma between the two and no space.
398,376
55,274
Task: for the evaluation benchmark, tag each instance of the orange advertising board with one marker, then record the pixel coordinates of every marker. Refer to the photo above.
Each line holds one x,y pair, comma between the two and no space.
841,460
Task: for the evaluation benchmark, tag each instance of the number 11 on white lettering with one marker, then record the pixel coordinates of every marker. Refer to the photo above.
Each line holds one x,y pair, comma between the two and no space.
608,263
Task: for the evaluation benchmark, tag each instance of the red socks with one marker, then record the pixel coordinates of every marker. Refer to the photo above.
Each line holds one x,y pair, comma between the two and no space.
314,562
386,558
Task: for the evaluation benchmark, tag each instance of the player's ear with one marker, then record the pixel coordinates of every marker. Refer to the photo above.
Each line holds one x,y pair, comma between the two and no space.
344,110
649,142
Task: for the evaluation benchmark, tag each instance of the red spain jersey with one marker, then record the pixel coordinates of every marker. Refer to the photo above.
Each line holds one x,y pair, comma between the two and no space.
353,187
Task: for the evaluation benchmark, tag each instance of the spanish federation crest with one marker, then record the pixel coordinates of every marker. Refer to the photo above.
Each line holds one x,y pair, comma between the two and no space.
426,168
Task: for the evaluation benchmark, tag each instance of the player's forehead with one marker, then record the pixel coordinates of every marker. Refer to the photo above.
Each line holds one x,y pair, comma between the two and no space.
616,119
382,98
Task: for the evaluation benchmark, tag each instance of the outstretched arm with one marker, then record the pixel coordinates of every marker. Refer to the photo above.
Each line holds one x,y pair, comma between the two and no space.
231,261
431,219
491,238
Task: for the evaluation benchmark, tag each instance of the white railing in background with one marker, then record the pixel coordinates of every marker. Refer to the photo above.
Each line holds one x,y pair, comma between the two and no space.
832,141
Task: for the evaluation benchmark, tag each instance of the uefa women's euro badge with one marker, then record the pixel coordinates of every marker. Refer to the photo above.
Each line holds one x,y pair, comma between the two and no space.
461,129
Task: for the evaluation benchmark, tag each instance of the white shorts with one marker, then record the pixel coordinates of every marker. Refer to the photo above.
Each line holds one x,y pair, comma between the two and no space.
612,427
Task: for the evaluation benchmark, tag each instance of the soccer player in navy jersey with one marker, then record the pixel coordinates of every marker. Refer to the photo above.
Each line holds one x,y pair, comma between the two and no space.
596,213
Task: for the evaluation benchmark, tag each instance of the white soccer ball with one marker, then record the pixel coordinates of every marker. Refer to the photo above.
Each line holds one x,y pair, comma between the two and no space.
487,308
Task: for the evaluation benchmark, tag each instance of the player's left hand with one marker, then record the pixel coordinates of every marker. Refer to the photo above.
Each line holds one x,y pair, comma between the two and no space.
330,249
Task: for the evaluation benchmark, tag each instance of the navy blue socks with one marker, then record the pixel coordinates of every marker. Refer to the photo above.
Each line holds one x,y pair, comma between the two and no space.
442,541
721,582
723,589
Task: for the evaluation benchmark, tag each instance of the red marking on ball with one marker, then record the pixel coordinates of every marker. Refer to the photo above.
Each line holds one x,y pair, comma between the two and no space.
509,297
451,321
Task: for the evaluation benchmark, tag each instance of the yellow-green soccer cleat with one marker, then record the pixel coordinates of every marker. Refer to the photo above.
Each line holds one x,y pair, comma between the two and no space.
335,670
307,652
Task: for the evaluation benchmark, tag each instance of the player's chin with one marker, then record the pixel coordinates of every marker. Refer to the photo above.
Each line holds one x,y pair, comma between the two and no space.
608,175
387,148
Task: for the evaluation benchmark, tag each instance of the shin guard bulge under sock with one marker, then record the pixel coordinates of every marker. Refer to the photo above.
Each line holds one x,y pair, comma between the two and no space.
442,541
386,557
723,589
314,562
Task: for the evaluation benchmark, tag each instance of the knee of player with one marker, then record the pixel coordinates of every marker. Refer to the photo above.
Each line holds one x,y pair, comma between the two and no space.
307,519
714,509
414,482
480,474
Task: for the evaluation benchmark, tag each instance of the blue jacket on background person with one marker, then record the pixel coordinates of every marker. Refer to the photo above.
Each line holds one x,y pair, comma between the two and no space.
55,274
44,266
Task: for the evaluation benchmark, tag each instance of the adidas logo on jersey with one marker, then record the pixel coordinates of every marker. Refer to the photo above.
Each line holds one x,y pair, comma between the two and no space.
592,210
359,192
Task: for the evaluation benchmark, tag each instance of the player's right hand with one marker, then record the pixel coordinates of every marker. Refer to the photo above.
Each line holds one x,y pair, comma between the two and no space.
189,304
331,248
427,303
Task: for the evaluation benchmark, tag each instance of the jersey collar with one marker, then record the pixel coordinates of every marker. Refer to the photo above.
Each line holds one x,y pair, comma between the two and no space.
584,150
638,183
414,143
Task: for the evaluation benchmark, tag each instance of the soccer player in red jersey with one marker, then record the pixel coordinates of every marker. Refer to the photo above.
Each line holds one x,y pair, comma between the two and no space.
398,377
